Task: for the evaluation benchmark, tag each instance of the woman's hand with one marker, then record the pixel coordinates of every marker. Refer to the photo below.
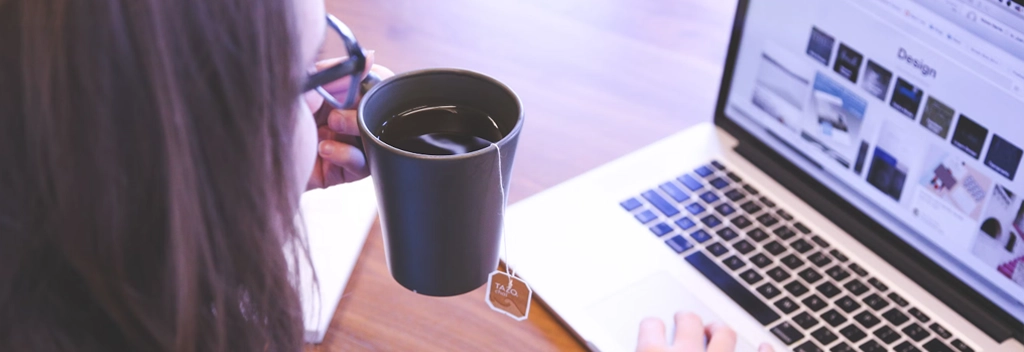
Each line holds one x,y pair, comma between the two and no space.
689,336
339,157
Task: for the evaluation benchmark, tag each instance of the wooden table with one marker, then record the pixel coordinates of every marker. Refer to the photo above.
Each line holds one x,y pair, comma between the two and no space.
598,79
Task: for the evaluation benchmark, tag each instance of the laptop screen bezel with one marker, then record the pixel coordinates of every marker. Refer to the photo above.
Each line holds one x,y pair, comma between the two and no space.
961,297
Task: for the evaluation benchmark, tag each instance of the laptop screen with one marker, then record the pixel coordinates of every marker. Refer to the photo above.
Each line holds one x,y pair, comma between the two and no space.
912,110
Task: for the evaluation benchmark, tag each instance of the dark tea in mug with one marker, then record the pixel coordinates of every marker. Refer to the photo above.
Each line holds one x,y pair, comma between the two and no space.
440,130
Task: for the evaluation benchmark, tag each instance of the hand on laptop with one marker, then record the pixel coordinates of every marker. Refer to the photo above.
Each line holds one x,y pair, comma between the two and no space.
689,336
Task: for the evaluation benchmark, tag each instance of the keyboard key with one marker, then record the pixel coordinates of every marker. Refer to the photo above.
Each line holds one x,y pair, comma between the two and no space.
795,288
660,203
936,346
741,222
784,232
727,234
695,208
801,246
751,276
906,346
717,249
661,229
645,216
734,262
866,319
734,195
690,182
761,260
711,221
718,165
778,274
743,246
757,234
916,332
814,303
732,288
842,347
887,335
750,189
819,259
856,287
786,305
750,207
847,304
767,220
704,171
853,333
875,301
675,192
839,255
872,346
919,315
630,204
960,345
820,241
838,273
802,228
833,317
767,202
678,244
807,346
805,320
878,284
792,261
824,335
685,223
725,209
828,289
719,182
709,197
733,177
787,333
768,290
939,330
896,298
783,214
858,270
810,275
700,236
774,247
895,317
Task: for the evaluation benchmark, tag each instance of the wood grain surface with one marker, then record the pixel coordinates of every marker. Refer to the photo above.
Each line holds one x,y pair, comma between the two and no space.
598,79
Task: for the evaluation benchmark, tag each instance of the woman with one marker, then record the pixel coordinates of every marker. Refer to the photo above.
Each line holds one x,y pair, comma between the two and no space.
153,156
153,153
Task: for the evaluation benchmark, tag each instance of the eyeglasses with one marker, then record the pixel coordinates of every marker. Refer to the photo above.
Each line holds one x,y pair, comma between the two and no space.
353,66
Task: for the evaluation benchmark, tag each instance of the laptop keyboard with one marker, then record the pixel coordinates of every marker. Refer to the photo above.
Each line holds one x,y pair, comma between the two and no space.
802,289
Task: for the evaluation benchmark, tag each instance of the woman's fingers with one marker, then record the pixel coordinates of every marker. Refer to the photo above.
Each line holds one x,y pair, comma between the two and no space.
721,338
343,162
652,335
689,332
343,122
765,347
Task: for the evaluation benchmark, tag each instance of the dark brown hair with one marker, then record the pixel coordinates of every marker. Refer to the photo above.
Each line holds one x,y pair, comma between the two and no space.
146,190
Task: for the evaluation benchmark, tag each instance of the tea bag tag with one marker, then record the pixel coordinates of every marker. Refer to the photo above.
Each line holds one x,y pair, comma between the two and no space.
509,295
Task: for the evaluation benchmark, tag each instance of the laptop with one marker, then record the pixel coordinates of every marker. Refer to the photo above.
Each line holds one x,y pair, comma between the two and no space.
860,189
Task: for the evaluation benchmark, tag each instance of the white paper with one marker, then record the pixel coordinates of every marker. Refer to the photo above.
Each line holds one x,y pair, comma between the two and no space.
337,221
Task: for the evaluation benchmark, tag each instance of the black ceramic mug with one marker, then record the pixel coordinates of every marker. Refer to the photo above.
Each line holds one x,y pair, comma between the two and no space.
441,214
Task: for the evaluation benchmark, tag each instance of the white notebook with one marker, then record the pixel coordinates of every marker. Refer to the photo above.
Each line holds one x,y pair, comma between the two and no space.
337,221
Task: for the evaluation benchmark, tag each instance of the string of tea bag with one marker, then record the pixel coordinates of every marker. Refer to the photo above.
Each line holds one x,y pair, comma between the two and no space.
511,299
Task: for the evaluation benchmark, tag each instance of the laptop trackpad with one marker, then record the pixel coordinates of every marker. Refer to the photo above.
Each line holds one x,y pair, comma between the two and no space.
659,295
